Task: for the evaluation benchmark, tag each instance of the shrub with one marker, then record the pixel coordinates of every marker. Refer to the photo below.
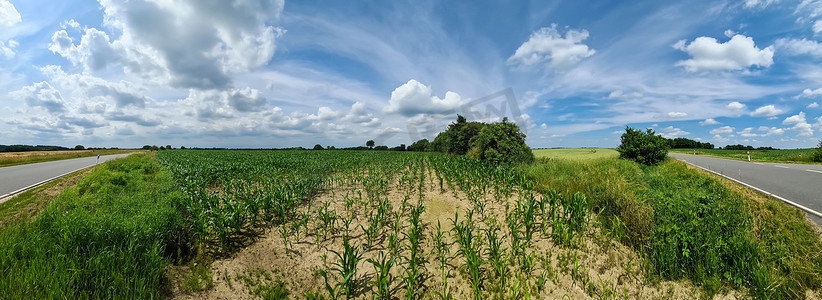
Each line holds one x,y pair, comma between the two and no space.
817,156
501,143
643,147
418,146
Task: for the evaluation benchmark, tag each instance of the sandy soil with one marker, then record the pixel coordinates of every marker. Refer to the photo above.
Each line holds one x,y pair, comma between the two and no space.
595,266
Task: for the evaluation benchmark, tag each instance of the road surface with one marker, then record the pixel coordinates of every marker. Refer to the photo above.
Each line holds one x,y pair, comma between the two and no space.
16,179
797,183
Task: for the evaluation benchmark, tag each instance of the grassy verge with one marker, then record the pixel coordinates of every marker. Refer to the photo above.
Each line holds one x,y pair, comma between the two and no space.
803,156
23,206
21,158
108,237
691,225
575,153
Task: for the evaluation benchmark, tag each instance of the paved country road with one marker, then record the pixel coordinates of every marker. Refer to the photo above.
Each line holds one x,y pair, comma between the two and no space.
801,184
15,179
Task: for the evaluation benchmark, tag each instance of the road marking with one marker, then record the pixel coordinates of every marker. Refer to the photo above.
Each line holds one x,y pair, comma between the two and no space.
782,166
759,164
797,205
817,171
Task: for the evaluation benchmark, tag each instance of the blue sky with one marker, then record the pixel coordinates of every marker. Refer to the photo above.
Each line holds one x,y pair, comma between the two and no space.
269,73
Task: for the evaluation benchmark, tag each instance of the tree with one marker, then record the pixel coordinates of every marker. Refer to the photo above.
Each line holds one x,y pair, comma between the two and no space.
318,147
500,143
643,147
418,146
168,147
146,147
381,148
79,147
370,144
817,156
182,147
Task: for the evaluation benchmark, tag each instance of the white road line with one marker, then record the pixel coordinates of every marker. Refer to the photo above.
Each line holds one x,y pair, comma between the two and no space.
782,166
817,171
797,205
759,164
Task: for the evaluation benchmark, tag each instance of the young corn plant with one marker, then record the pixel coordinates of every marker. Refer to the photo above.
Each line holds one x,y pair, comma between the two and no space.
469,248
382,279
496,256
442,249
414,237
346,267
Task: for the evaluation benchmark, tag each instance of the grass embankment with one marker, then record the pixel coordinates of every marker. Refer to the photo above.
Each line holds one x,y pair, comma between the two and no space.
108,237
28,204
804,156
689,224
29,157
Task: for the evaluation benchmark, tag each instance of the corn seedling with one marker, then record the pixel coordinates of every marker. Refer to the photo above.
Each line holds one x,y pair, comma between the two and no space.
382,279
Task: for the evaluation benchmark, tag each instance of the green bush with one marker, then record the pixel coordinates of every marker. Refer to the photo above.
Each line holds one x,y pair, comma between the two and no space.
501,143
643,147
817,156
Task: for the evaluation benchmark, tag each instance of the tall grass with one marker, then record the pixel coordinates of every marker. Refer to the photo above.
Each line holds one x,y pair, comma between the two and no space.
109,237
804,156
690,225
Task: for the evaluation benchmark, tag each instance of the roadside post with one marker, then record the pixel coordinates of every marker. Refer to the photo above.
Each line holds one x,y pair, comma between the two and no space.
749,156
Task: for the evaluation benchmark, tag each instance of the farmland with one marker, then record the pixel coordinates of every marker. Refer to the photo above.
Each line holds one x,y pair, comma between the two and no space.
21,158
576,153
803,156
380,224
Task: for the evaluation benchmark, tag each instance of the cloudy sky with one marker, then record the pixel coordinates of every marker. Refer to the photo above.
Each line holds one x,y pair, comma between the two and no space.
266,73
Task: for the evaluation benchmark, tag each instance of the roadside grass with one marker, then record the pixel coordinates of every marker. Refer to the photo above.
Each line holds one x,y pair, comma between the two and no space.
111,236
690,225
575,153
23,206
21,158
804,156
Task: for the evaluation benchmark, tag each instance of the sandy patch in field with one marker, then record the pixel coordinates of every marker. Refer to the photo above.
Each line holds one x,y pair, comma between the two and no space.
594,266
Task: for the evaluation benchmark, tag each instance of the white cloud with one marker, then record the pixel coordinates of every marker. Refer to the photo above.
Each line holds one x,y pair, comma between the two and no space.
809,93
817,26
722,130
758,3
217,104
185,43
8,14
71,23
747,132
812,105
709,121
42,95
735,106
729,33
676,114
673,132
413,98
800,124
771,130
738,53
547,45
766,111
7,49
799,47
619,94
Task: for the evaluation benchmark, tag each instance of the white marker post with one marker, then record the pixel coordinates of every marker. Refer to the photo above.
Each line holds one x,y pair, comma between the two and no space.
749,156
98,159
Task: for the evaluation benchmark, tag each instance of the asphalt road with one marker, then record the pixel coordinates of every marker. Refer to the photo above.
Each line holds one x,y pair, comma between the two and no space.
801,184
15,178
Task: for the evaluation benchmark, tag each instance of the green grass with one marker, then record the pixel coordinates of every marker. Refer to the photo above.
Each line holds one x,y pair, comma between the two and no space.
803,156
12,159
691,225
108,237
576,154
25,205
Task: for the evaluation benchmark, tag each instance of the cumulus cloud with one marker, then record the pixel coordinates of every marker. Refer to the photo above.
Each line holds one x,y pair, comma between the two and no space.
413,98
185,43
809,93
8,14
817,26
800,124
799,47
812,105
676,114
673,132
722,130
548,46
735,106
7,49
709,121
747,132
219,104
89,89
42,95
738,53
766,111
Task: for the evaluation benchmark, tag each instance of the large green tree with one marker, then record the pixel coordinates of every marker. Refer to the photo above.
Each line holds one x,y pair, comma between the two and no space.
501,143
643,147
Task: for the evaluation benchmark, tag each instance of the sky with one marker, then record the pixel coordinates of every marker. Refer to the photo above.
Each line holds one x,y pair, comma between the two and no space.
271,73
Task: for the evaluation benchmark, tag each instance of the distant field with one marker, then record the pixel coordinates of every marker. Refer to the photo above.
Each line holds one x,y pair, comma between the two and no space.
576,153
30,157
783,156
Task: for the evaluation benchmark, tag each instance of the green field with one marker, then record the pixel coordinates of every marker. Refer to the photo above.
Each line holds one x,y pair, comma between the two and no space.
576,153
382,224
803,156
